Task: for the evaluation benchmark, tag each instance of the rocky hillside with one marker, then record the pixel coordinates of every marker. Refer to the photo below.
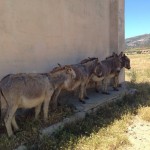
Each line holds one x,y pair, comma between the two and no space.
138,41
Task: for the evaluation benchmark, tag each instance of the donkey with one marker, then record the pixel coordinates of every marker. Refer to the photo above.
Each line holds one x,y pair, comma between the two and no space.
85,70
109,67
93,71
125,63
30,91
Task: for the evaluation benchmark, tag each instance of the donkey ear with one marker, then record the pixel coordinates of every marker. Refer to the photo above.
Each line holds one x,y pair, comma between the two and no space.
114,54
97,60
67,67
59,64
121,54
100,63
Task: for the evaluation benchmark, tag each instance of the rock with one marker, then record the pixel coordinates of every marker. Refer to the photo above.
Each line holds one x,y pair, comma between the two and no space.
132,91
21,147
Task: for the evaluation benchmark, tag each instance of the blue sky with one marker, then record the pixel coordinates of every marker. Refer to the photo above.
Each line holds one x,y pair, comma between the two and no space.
137,17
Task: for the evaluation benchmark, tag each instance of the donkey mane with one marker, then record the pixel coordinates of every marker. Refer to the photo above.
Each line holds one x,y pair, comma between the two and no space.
109,57
112,56
6,76
87,60
59,68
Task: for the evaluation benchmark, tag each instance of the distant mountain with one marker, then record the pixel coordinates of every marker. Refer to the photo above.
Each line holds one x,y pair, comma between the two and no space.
140,41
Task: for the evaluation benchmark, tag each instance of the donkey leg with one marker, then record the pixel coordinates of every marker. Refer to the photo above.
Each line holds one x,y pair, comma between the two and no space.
8,119
85,92
54,98
3,108
118,84
116,80
81,95
106,90
46,104
105,87
14,124
37,111
96,87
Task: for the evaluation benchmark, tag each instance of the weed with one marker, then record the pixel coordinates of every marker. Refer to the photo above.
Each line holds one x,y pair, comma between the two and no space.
133,76
29,133
147,72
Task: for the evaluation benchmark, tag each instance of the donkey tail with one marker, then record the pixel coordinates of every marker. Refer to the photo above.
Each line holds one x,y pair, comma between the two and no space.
2,94
3,103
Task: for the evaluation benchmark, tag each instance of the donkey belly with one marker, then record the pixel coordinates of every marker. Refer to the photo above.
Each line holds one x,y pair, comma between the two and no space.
97,79
75,85
111,75
30,103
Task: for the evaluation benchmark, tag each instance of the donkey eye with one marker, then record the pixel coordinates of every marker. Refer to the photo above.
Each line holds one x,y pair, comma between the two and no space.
68,70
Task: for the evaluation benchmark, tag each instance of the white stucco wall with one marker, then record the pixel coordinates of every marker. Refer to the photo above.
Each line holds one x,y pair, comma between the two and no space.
37,34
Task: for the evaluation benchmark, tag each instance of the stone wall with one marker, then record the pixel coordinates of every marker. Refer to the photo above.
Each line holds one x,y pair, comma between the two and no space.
37,34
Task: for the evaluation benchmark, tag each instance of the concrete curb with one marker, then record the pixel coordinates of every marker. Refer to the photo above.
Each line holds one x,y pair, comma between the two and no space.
82,109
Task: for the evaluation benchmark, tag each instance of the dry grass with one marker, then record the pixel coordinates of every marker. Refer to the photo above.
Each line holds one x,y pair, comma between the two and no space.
102,130
30,128
140,73
144,113
107,138
140,68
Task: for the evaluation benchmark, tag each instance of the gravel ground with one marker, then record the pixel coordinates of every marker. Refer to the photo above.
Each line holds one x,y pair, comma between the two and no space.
139,135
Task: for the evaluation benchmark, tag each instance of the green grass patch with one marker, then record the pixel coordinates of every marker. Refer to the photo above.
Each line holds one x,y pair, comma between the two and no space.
30,128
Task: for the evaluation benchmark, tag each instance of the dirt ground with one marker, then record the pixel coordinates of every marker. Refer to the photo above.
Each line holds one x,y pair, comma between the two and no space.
139,135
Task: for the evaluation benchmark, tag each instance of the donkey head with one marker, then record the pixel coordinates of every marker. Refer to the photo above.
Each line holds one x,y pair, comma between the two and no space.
89,59
98,70
90,63
64,70
116,61
125,61
70,71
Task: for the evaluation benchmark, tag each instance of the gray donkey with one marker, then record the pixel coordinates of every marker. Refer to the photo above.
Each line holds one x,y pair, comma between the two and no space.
110,67
30,91
85,70
125,63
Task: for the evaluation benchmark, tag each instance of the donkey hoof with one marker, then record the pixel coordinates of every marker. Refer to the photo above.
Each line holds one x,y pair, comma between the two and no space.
83,102
86,97
115,89
106,93
11,136
58,104
120,85
17,131
97,91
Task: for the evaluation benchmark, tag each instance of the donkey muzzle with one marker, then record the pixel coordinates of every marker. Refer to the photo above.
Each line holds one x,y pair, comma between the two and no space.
118,71
129,68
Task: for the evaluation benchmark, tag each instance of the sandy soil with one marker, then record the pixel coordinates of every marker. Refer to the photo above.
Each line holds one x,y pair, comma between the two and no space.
139,135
